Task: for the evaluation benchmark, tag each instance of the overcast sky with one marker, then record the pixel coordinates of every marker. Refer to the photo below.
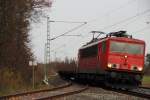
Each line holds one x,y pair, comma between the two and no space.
100,15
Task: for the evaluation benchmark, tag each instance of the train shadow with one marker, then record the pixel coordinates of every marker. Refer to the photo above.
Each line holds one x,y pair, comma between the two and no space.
90,83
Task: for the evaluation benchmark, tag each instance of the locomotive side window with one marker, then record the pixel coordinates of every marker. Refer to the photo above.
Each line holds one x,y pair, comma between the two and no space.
89,52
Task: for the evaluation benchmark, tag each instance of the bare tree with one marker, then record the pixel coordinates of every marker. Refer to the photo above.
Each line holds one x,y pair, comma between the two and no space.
15,18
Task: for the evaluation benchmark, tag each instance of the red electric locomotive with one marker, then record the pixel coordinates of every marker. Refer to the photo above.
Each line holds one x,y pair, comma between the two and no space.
117,60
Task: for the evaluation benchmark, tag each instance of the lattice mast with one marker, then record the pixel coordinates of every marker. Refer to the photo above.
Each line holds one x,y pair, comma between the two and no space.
47,52
48,42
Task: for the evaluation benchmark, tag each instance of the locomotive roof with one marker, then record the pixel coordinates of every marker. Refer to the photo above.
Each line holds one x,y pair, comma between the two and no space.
112,38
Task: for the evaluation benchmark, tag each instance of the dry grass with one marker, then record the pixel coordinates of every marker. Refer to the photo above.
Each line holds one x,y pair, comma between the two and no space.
146,81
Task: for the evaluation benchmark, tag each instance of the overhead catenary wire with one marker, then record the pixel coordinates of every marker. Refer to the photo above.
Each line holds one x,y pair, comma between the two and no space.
124,20
134,19
88,22
73,29
127,19
129,2
130,22
145,28
60,21
141,14
73,35
106,27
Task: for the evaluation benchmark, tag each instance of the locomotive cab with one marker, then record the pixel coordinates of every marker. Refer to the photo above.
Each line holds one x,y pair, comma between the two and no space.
126,55
125,60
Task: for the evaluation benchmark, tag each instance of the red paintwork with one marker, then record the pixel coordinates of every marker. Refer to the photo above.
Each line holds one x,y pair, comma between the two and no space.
120,59
102,59
89,62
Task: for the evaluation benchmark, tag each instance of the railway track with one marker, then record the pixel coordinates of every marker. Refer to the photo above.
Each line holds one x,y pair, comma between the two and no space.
66,92
69,89
143,92
47,94
21,96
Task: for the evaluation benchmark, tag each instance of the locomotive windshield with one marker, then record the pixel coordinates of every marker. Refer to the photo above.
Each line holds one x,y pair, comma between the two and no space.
122,47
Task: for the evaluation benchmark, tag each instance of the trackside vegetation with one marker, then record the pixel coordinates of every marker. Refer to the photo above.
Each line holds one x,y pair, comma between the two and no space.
15,47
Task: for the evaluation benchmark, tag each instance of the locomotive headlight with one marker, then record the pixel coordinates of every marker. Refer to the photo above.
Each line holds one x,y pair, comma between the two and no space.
109,65
140,68
137,68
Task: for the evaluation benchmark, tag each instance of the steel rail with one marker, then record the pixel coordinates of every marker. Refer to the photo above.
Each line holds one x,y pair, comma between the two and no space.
144,87
17,95
143,92
59,95
139,92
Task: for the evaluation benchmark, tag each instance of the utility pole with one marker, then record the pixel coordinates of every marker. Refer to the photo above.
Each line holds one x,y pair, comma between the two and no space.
48,42
47,52
33,64
45,65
